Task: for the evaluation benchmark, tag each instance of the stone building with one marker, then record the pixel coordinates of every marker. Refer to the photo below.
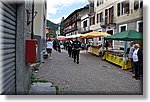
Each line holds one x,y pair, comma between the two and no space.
16,26
15,30
113,16
40,9
72,24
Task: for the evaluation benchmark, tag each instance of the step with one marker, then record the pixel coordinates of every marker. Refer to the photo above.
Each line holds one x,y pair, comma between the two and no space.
42,89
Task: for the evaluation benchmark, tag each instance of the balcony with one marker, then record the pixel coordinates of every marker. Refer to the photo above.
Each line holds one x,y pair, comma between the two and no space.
83,30
79,17
108,22
91,11
70,30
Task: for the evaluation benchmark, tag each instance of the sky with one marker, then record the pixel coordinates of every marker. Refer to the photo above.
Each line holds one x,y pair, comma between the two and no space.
56,9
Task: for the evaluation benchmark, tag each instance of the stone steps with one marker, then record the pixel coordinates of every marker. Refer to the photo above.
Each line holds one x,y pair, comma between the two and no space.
42,89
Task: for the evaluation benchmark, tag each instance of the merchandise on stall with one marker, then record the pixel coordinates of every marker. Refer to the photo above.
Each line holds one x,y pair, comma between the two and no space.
119,57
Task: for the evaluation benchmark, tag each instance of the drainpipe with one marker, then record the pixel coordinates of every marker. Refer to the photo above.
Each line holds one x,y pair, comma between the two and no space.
32,28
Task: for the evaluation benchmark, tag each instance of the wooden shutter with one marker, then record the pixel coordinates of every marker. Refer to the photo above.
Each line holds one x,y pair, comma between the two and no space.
118,9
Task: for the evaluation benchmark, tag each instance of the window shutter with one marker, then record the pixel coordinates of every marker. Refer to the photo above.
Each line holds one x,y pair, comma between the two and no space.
136,4
126,6
97,18
118,8
106,16
141,4
93,20
111,15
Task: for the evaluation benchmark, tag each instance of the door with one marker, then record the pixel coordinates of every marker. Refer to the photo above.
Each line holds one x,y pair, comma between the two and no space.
8,47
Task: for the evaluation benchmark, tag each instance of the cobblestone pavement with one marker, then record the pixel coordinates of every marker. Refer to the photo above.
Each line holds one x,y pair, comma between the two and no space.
91,76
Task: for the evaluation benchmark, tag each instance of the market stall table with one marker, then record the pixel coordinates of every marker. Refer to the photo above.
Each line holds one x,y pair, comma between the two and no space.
117,59
94,50
129,35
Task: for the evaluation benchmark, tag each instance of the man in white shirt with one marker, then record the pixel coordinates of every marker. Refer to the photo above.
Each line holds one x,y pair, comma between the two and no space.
49,46
136,62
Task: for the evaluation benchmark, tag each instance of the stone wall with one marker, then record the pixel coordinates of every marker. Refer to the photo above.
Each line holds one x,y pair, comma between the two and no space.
23,32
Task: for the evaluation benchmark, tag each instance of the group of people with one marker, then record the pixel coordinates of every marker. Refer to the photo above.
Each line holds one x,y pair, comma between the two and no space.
73,48
55,44
136,56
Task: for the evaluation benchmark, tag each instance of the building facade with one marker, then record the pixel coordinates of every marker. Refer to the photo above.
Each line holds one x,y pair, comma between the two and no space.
47,30
14,31
58,31
40,9
85,24
72,24
113,16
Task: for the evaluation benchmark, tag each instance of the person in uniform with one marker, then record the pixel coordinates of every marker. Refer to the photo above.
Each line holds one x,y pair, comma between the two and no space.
76,46
70,48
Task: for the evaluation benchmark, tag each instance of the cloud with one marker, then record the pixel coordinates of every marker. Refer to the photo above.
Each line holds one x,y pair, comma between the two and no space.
54,5
57,20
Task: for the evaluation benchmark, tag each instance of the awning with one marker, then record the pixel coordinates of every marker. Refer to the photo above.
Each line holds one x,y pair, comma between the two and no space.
73,36
94,34
129,35
61,38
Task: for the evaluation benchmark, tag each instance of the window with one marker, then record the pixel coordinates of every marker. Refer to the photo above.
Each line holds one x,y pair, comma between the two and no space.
101,17
98,16
110,32
122,27
106,16
123,8
92,20
126,6
140,26
85,24
98,2
109,15
138,4
101,2
118,9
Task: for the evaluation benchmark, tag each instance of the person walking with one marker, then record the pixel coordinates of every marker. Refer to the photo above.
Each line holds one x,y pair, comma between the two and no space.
49,46
70,48
59,49
131,56
55,44
137,60
76,46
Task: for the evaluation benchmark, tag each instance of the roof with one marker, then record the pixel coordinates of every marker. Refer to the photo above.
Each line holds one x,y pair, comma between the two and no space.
77,10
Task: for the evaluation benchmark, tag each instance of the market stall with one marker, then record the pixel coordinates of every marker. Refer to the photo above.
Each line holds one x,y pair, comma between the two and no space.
94,48
117,57
73,36
61,38
120,57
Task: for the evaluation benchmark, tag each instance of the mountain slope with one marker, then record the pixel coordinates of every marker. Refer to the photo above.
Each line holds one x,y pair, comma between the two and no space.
53,27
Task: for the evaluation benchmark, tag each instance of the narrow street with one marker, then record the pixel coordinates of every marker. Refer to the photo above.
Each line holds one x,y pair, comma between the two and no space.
91,76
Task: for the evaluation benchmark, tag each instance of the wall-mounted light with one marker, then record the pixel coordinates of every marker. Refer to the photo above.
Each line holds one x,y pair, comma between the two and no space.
29,14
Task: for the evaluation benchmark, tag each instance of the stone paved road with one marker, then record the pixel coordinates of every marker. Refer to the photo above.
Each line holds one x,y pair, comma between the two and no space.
91,76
